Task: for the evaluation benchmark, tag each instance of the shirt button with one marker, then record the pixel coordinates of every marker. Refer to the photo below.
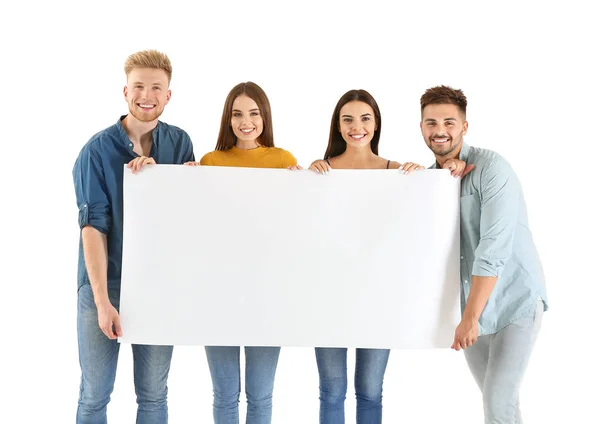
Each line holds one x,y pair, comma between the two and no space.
465,281
462,257
130,144
85,206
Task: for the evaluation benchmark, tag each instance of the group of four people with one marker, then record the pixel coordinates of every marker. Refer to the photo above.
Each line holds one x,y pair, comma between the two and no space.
502,284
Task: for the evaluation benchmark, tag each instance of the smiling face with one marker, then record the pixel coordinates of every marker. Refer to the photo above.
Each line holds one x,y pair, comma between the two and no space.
443,127
357,124
246,120
147,92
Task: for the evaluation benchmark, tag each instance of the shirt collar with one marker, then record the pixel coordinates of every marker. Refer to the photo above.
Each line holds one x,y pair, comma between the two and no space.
125,138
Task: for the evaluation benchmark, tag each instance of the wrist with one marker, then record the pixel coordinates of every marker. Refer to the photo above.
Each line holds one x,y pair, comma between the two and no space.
102,301
470,317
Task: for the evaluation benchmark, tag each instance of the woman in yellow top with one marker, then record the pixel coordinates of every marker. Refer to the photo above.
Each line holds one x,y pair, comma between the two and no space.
245,140
246,133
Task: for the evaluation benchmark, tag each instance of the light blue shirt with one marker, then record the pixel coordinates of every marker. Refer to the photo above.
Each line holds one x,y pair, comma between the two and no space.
495,241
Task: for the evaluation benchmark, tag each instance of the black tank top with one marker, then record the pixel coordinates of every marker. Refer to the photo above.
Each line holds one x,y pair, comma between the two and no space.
386,167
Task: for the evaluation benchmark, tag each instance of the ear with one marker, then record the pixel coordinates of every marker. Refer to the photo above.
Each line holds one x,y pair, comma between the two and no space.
421,126
168,96
465,128
125,92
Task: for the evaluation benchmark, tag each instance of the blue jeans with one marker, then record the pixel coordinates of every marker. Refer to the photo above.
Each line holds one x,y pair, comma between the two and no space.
368,383
498,362
224,364
98,357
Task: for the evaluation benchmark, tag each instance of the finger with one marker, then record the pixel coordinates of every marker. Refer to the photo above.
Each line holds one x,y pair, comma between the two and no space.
148,161
107,330
117,324
412,168
468,169
449,164
134,165
463,344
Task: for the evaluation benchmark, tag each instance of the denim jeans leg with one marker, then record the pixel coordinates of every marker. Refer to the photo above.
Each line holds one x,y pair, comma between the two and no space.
261,364
368,382
151,366
333,383
224,365
98,357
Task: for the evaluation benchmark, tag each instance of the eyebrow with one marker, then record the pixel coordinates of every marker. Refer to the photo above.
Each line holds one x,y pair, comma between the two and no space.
251,110
142,83
350,116
435,120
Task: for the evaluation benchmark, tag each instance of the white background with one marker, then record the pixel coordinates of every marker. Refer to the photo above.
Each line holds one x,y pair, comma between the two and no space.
527,69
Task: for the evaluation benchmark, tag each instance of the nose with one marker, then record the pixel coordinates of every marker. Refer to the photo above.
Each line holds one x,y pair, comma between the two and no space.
145,92
356,126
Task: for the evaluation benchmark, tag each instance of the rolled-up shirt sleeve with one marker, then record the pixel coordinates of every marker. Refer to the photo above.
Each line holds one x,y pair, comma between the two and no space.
91,191
500,193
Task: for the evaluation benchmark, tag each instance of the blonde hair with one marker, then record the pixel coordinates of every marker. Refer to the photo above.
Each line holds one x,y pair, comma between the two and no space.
149,59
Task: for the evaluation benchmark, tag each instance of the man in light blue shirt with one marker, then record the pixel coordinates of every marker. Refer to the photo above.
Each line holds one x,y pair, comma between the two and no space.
503,294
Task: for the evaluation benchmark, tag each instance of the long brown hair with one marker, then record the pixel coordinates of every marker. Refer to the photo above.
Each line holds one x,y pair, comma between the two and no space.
227,138
337,145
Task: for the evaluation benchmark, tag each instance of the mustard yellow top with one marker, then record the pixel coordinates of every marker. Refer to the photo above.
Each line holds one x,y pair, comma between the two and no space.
260,157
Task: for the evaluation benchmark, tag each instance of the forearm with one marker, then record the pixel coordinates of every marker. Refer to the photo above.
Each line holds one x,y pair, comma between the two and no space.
481,289
95,252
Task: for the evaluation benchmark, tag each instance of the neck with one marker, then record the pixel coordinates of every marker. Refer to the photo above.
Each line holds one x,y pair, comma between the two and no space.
247,145
140,133
358,155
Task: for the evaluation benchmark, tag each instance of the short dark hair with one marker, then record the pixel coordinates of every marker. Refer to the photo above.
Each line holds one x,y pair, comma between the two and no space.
443,95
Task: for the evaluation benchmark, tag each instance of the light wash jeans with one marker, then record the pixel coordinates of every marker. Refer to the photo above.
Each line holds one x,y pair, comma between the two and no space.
224,365
98,360
368,383
498,362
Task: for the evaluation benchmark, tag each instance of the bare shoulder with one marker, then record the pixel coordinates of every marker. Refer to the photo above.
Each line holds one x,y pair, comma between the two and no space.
395,165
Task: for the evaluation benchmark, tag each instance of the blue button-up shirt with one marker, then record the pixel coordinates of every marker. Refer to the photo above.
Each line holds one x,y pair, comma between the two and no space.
495,241
98,179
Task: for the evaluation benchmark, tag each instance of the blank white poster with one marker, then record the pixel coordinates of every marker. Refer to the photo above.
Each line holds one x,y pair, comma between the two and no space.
273,257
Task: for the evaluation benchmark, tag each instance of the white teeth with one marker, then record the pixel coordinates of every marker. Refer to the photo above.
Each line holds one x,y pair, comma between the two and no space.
440,140
357,137
248,131
147,106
